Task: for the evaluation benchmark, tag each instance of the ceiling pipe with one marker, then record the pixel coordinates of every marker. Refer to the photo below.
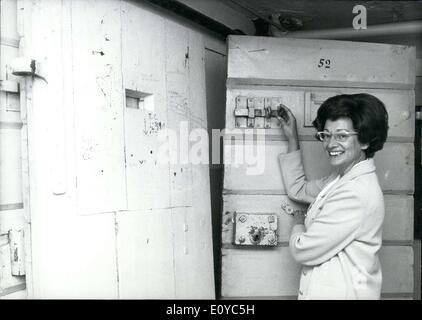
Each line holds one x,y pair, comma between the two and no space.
412,27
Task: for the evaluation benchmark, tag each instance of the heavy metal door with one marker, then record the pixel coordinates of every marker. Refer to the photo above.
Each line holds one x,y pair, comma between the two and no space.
263,72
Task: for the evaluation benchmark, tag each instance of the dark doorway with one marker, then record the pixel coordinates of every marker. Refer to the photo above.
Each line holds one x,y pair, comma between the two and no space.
418,172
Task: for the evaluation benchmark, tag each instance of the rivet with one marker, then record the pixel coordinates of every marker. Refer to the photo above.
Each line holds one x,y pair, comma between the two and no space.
243,218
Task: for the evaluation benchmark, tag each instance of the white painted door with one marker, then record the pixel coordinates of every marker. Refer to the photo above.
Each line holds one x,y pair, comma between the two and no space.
301,74
12,153
108,220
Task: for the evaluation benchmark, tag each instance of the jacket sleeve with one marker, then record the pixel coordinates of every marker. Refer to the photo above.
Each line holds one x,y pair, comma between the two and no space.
333,228
297,187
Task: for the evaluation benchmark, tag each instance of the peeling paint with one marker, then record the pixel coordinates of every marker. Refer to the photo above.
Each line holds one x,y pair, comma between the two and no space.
15,254
177,101
101,53
88,148
399,50
258,50
186,58
152,124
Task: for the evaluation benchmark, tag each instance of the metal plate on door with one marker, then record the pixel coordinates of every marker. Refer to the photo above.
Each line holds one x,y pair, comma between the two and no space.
255,229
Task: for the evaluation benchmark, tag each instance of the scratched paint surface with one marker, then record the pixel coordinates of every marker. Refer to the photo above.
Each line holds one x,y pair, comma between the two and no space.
164,199
98,102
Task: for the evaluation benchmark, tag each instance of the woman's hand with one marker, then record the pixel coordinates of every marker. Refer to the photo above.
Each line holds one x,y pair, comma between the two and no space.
289,127
298,217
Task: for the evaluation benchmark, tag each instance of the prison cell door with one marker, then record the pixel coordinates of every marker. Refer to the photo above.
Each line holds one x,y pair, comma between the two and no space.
108,219
264,72
12,158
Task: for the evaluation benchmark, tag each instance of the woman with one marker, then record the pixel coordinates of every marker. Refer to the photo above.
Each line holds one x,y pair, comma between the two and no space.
339,239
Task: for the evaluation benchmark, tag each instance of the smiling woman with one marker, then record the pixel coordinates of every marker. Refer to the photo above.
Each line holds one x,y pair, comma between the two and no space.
361,124
339,239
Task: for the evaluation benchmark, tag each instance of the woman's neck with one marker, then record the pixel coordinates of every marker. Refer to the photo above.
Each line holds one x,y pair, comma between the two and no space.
343,170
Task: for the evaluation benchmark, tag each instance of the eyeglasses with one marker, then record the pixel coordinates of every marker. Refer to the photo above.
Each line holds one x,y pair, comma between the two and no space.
325,136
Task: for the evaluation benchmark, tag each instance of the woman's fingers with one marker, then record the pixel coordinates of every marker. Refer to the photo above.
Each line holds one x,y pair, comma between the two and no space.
281,120
286,108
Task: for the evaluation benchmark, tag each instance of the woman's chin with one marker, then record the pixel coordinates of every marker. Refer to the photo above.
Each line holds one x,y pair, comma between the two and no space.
335,162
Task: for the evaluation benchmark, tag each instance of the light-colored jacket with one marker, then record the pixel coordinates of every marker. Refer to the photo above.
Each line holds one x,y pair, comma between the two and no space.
339,243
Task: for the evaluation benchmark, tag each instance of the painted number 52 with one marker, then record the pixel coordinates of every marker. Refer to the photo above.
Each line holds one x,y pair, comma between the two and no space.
324,63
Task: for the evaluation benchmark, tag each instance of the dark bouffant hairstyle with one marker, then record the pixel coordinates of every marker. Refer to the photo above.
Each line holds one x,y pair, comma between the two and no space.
368,115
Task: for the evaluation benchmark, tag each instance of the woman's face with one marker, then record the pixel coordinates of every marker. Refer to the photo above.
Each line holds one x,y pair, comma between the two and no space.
345,154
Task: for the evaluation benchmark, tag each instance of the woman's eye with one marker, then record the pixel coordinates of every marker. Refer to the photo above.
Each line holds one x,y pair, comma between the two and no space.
341,136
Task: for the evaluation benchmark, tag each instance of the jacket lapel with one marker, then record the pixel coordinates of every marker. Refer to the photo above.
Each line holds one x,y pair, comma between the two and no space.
364,167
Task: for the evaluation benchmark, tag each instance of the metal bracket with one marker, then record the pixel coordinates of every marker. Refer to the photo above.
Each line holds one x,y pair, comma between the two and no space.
255,229
9,86
288,209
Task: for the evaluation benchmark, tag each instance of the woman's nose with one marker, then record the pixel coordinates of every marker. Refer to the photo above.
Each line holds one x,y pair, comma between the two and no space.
331,141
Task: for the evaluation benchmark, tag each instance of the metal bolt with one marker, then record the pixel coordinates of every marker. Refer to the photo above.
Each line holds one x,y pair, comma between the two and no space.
272,240
243,218
287,208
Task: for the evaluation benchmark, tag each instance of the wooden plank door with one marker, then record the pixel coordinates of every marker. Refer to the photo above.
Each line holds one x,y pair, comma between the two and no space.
301,74
108,220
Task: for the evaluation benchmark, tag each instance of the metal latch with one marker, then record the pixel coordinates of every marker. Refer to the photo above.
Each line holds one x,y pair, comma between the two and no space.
25,67
255,229
257,112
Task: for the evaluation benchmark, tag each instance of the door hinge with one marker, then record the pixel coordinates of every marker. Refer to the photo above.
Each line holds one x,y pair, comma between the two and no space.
15,241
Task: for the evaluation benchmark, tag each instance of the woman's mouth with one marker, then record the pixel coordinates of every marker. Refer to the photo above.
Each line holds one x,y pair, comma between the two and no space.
335,153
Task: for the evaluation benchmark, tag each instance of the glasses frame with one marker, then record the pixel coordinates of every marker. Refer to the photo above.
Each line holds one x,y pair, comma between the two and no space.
335,135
